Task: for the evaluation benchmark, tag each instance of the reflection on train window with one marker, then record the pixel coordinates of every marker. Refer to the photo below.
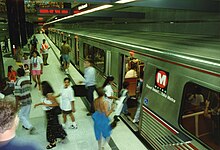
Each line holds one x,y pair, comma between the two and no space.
134,72
96,54
201,114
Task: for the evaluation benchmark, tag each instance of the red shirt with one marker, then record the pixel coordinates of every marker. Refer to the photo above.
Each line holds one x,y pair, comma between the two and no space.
12,75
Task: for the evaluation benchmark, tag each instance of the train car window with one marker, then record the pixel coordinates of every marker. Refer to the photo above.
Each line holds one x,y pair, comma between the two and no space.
96,54
201,113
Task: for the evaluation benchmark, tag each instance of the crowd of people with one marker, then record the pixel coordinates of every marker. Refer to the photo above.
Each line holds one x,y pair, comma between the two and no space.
30,69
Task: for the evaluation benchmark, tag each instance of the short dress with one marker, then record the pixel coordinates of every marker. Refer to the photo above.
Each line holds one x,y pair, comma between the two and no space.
101,125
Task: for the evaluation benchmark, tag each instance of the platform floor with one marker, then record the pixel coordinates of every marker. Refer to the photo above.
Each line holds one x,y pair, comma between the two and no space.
83,138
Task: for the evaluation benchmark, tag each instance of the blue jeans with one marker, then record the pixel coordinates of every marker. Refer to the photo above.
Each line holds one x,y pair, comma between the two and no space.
24,116
90,97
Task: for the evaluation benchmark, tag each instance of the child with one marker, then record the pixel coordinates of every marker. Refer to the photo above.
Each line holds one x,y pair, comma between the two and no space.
11,74
27,70
67,102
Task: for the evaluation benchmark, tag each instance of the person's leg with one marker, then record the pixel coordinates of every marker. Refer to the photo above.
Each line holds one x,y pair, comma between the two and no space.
44,61
74,125
24,116
46,57
64,118
90,98
137,115
100,144
34,78
38,79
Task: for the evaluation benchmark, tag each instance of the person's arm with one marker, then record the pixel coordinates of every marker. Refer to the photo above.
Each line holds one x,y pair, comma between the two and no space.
206,111
73,106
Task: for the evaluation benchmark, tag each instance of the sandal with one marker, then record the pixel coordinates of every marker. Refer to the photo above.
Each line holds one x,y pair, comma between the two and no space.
51,145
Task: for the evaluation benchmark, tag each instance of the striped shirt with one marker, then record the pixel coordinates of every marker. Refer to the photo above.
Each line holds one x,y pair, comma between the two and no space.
22,91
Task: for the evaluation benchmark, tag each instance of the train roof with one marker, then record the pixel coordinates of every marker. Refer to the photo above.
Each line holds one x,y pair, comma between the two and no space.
197,50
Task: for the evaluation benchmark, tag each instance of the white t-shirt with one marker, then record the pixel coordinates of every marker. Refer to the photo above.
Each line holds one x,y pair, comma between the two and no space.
67,96
131,74
108,92
46,101
36,63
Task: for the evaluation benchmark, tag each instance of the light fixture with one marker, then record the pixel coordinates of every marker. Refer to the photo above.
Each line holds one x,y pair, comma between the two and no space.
82,13
124,1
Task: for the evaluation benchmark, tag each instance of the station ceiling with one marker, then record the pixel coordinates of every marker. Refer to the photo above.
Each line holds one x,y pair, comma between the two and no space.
135,10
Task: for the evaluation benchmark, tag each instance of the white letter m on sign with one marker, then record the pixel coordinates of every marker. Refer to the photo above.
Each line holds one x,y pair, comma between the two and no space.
161,80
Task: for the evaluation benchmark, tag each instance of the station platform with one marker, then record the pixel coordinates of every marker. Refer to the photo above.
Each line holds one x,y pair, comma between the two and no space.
83,138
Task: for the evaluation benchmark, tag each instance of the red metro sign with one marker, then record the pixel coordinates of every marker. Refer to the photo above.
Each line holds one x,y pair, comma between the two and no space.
161,80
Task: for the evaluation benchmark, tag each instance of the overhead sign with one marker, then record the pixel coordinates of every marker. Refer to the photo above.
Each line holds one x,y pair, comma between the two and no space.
161,80
54,11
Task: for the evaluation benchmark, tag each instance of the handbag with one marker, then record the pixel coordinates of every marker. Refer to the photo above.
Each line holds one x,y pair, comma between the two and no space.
79,90
57,110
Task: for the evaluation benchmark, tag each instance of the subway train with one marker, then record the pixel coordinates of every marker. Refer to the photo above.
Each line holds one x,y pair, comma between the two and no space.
180,100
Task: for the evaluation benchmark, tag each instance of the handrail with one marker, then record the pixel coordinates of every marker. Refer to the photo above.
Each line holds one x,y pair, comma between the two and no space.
196,115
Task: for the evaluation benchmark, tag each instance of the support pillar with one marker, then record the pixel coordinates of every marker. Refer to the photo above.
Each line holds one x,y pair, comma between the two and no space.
22,22
2,71
16,23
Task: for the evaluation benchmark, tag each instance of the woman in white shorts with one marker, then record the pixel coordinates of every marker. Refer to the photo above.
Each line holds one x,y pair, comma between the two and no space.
36,67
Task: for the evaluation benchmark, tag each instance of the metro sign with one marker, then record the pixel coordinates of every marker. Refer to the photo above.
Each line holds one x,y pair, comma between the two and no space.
161,80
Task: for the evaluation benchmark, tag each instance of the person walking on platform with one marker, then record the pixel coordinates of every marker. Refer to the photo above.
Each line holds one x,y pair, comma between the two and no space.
90,83
102,126
54,128
65,50
44,51
67,103
22,94
36,68
34,42
109,93
8,124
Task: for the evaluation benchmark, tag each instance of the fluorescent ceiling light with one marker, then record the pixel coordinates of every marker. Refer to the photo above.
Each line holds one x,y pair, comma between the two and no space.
82,13
124,1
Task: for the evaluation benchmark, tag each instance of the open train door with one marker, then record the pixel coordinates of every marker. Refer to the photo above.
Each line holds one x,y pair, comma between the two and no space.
132,71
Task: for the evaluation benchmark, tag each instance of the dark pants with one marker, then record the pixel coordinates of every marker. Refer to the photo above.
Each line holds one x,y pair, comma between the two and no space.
45,56
90,97
54,128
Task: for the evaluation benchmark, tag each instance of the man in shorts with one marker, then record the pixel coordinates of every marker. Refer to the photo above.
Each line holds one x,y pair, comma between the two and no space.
65,50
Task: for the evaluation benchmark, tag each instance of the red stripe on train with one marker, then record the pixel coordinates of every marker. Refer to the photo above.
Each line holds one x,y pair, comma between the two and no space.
192,146
161,121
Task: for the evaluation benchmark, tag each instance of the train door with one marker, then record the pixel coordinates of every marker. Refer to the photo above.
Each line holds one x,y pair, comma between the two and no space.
132,73
76,48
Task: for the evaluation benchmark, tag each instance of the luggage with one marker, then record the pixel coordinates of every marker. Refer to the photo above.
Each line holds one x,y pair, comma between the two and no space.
79,90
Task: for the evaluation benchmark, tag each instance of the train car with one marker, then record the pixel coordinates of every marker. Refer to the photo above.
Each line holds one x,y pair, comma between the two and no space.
180,100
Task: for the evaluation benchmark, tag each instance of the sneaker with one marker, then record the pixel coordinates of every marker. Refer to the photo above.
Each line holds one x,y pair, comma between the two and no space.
24,127
33,131
135,121
66,72
89,114
73,127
